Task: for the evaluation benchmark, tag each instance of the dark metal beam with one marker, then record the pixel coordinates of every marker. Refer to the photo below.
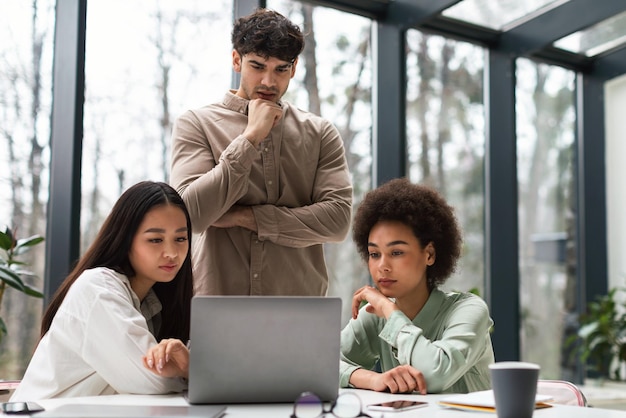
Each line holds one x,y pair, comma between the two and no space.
591,190
373,9
566,59
402,13
63,229
410,13
389,102
547,27
462,31
533,38
610,65
502,275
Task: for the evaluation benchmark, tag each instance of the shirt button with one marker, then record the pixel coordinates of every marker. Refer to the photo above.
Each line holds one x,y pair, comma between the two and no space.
269,182
255,275
266,149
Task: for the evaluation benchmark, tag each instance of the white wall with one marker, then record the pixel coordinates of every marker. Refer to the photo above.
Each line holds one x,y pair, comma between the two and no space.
615,100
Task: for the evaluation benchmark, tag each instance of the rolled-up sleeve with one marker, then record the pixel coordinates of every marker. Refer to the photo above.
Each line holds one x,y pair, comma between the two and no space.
443,360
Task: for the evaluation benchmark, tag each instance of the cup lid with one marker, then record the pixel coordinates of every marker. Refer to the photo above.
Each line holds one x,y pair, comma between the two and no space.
513,365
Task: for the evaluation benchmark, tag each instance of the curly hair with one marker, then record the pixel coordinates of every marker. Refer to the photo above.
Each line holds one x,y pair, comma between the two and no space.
268,34
421,208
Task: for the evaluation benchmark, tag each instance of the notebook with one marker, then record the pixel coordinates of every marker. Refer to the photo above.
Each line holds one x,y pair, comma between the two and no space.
263,349
484,401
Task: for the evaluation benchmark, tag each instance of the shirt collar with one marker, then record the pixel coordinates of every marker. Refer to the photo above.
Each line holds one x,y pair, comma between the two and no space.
431,308
236,103
150,305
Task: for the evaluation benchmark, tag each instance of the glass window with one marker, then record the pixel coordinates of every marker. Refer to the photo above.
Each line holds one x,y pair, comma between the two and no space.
334,79
496,14
26,30
597,39
545,138
446,137
161,59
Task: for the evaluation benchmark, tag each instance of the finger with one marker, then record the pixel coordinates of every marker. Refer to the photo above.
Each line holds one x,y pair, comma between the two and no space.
355,308
356,303
277,118
390,382
421,384
159,356
166,353
173,345
393,386
146,363
149,359
407,379
402,384
418,378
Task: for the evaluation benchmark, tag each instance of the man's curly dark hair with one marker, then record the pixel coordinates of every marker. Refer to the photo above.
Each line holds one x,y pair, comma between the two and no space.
421,208
268,34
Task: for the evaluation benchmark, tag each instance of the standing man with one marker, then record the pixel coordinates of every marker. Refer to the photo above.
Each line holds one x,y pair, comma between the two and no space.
266,183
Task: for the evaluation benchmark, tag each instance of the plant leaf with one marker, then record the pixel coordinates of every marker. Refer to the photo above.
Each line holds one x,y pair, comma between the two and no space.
24,245
11,278
586,330
31,291
22,273
5,241
29,242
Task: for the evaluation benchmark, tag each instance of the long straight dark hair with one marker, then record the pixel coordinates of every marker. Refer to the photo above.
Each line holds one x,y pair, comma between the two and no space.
111,249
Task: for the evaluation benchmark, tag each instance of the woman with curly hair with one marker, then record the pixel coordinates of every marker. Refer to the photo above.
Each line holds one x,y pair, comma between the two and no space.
420,338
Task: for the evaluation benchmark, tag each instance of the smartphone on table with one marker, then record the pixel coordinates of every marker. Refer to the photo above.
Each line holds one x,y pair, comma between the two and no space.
21,408
396,406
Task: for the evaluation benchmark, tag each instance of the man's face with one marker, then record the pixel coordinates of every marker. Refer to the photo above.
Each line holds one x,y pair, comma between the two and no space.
263,78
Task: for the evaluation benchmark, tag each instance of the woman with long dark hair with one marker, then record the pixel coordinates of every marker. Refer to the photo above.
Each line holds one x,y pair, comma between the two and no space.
119,322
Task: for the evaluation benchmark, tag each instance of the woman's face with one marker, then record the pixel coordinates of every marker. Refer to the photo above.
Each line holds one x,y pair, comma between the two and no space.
397,261
159,247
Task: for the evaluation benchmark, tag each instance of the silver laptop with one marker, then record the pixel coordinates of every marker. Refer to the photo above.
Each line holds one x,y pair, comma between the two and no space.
263,349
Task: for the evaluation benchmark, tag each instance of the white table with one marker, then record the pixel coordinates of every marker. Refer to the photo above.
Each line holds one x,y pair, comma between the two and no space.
367,397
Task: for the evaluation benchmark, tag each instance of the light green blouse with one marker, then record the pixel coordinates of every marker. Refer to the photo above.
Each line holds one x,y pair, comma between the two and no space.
448,341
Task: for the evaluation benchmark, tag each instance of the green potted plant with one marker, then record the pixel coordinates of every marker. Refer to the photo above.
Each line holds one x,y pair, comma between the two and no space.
12,270
602,335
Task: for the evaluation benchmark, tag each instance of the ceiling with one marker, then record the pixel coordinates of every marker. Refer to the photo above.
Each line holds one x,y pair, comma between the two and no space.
584,35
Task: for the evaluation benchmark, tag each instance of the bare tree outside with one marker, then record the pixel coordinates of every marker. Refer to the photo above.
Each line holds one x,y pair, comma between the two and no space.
446,137
445,122
170,35
337,85
25,95
161,62
545,180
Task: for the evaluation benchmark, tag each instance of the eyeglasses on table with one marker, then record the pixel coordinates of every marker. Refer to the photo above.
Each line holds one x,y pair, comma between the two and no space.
347,405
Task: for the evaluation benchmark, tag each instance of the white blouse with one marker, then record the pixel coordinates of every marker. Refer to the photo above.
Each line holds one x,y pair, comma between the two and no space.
95,344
